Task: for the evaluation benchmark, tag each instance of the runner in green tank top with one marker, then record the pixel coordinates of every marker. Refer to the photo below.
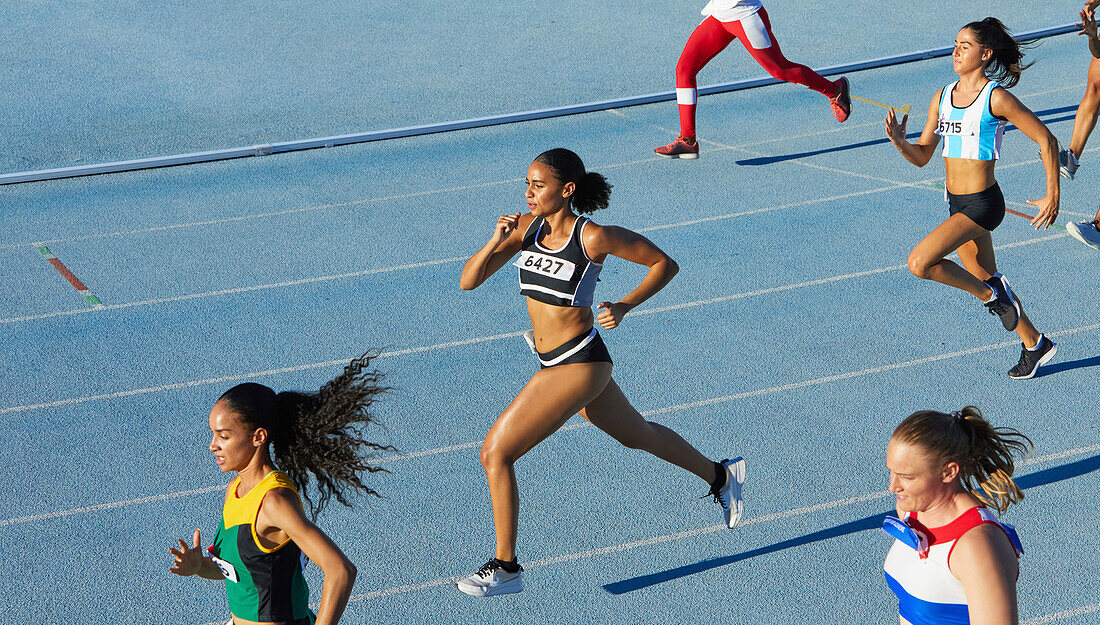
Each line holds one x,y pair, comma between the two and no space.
265,536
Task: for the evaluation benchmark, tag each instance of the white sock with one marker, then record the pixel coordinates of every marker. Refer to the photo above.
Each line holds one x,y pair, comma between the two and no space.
1035,348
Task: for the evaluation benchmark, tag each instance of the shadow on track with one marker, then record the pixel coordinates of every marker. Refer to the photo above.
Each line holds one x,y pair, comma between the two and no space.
874,521
768,160
1058,367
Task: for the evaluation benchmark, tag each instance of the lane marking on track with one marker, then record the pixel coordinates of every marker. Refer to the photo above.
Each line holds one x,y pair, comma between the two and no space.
927,184
387,198
795,512
430,263
234,291
1039,620
584,424
462,342
1060,616
84,291
107,506
121,233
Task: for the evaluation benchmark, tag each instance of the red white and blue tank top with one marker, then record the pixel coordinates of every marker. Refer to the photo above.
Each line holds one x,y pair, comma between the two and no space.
562,277
917,566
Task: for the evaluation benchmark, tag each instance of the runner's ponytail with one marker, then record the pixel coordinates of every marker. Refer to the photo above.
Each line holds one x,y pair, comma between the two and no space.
1005,64
317,433
984,453
592,190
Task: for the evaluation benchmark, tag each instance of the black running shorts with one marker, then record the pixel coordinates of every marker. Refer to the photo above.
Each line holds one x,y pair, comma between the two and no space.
985,208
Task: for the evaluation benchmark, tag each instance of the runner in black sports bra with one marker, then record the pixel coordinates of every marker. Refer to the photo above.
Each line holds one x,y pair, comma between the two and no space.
560,256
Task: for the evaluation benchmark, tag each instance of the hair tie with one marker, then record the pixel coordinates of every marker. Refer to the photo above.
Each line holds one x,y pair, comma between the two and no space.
958,416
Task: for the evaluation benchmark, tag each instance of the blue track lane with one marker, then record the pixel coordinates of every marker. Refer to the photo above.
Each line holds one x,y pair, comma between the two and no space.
793,336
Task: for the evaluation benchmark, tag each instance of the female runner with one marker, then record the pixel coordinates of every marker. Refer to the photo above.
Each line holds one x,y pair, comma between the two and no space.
747,21
953,561
561,255
970,114
1087,232
259,546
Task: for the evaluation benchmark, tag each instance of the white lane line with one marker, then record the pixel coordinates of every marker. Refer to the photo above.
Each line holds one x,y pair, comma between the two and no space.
418,265
795,512
107,506
253,374
928,184
306,209
289,211
450,344
1078,451
767,209
244,289
430,263
403,196
1061,616
819,281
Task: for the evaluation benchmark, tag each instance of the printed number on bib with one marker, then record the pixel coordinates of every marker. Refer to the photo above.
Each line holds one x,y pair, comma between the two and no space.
545,265
954,127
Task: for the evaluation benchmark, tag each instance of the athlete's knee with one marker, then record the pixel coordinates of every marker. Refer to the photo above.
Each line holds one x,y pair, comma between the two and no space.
686,71
920,265
493,457
1092,90
778,71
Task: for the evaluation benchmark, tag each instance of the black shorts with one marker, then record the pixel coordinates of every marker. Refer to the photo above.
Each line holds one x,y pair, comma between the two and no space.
985,208
587,347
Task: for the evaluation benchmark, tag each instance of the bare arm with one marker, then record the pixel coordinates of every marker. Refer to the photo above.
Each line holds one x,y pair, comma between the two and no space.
502,246
600,241
280,510
191,561
1005,105
924,149
1088,27
985,562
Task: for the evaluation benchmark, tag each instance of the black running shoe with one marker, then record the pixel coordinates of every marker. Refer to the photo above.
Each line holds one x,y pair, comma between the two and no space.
1030,361
1006,305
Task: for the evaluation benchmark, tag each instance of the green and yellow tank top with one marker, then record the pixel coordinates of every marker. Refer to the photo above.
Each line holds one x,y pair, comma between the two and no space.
262,584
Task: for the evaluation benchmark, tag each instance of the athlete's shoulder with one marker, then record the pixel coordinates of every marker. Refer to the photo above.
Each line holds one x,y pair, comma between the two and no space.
593,233
1002,103
984,546
280,500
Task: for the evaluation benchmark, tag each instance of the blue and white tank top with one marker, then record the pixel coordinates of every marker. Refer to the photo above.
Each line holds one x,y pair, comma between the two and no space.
561,277
971,132
917,566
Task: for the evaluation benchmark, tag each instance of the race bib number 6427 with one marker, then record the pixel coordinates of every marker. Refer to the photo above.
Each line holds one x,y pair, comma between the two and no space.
545,265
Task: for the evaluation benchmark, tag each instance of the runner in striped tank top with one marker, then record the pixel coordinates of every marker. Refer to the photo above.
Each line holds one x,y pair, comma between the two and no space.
970,114
953,562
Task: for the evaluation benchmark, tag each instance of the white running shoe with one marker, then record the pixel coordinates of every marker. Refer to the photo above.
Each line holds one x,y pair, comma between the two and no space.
1085,232
491,579
1067,163
728,496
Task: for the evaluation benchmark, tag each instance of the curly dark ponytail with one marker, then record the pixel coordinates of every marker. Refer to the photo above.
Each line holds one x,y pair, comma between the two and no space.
984,453
1004,66
593,192
313,433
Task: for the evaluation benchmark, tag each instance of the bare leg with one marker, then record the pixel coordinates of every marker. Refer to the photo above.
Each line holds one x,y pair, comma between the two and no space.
977,257
551,397
1085,120
927,261
612,413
